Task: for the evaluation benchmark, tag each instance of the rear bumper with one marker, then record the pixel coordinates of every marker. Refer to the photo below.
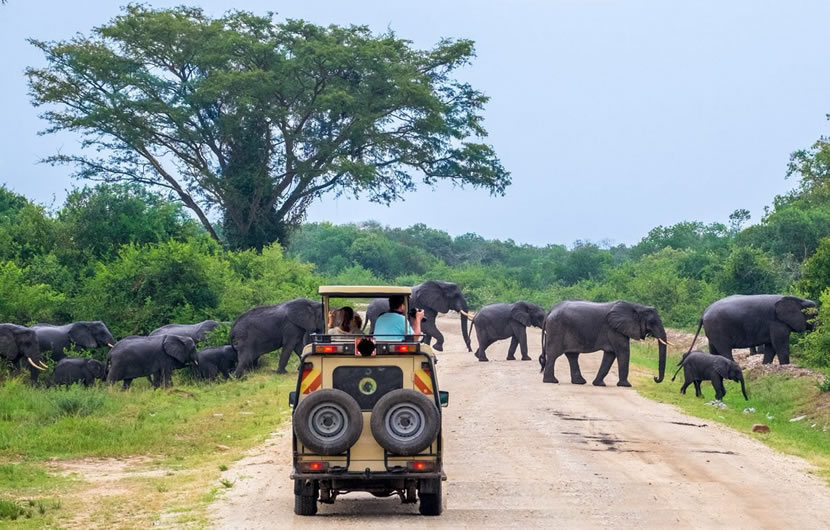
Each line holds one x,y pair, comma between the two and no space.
368,476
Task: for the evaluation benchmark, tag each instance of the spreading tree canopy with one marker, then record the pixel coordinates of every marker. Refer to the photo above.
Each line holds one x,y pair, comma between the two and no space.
256,119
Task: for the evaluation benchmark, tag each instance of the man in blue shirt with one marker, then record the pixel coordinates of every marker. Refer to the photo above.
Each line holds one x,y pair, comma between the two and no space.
394,325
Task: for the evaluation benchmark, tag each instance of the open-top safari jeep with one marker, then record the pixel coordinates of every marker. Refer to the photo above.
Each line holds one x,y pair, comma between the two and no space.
367,415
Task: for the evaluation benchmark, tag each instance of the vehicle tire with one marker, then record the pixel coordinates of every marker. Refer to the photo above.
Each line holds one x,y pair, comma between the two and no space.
305,504
405,422
328,422
431,503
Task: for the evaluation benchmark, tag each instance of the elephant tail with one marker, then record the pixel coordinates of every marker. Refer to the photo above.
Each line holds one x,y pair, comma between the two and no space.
680,365
699,325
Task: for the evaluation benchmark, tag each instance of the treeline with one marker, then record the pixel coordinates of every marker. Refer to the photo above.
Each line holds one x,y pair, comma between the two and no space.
136,260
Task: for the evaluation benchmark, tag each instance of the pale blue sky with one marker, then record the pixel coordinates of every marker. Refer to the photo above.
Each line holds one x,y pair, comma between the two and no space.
613,116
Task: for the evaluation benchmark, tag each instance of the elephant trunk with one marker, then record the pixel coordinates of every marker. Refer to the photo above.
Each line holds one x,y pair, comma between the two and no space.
743,388
661,358
464,329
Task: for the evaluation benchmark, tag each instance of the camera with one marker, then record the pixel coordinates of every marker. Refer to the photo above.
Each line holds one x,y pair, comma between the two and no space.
413,311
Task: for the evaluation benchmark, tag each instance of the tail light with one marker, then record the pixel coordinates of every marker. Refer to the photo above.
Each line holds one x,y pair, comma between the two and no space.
404,348
313,467
327,348
420,466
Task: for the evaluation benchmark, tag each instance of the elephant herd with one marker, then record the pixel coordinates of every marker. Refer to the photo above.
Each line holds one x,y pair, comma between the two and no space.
570,328
573,327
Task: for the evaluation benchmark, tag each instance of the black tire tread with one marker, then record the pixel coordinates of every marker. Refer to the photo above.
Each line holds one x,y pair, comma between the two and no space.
307,438
431,415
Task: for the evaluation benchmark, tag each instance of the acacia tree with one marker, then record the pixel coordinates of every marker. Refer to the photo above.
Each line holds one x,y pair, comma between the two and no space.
257,119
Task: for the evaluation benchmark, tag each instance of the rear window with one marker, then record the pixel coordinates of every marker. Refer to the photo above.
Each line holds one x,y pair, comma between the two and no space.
367,384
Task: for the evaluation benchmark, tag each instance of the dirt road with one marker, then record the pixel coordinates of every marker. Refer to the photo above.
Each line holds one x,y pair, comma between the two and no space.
523,454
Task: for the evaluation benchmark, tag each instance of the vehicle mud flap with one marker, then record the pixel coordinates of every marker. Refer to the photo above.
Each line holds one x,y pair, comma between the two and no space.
328,422
430,497
405,422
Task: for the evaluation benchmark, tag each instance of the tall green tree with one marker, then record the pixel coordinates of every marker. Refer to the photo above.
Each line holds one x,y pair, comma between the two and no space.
257,119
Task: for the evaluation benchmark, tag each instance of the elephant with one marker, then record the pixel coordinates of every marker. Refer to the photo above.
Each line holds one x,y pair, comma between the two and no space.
86,334
743,321
699,366
501,321
574,326
263,329
213,361
19,342
433,297
155,356
197,332
71,370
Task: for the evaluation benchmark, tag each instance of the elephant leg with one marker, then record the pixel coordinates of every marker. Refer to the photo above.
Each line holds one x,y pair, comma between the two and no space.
126,384
285,354
511,352
604,367
484,342
722,349
720,391
698,393
523,344
686,384
550,362
780,347
430,330
623,357
576,374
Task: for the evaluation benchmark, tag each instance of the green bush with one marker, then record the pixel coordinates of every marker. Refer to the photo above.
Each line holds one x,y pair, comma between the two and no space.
77,400
813,348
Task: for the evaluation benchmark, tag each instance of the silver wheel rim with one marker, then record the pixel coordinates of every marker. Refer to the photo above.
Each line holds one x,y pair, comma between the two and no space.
405,422
328,421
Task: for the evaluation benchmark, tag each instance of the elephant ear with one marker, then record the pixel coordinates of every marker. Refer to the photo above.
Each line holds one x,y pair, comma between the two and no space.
306,315
80,335
721,366
625,319
788,311
8,344
434,296
174,346
520,314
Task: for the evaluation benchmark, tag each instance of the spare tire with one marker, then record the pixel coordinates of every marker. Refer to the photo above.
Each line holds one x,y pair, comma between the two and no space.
405,422
328,422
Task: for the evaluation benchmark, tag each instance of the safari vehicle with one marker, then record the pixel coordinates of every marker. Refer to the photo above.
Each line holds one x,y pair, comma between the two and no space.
367,415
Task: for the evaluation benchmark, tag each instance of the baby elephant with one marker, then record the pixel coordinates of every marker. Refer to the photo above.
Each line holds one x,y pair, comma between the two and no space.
698,366
213,361
71,370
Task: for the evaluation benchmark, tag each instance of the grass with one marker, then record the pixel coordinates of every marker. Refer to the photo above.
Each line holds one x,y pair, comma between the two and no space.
169,438
776,399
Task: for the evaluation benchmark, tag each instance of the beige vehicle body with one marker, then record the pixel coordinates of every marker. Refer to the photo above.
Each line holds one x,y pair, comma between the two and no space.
395,366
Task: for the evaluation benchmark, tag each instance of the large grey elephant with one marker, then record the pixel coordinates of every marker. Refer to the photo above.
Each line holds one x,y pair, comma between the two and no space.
197,332
742,321
574,327
71,370
155,356
698,366
502,321
18,343
268,328
433,297
86,334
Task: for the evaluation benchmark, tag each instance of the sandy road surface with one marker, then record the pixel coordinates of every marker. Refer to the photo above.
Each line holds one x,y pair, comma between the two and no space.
523,454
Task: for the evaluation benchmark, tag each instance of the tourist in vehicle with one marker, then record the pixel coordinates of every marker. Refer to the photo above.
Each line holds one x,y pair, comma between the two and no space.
344,321
394,325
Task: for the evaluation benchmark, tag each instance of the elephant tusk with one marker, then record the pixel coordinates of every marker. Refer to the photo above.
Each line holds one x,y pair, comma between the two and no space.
44,365
33,364
466,314
667,343
111,345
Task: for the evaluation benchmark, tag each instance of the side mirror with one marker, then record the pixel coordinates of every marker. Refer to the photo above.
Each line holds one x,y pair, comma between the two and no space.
292,398
444,398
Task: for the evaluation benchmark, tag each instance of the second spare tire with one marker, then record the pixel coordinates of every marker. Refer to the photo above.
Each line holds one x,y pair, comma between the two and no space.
328,422
405,422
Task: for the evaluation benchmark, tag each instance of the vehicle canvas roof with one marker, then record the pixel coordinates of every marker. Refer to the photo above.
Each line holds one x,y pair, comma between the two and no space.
363,291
